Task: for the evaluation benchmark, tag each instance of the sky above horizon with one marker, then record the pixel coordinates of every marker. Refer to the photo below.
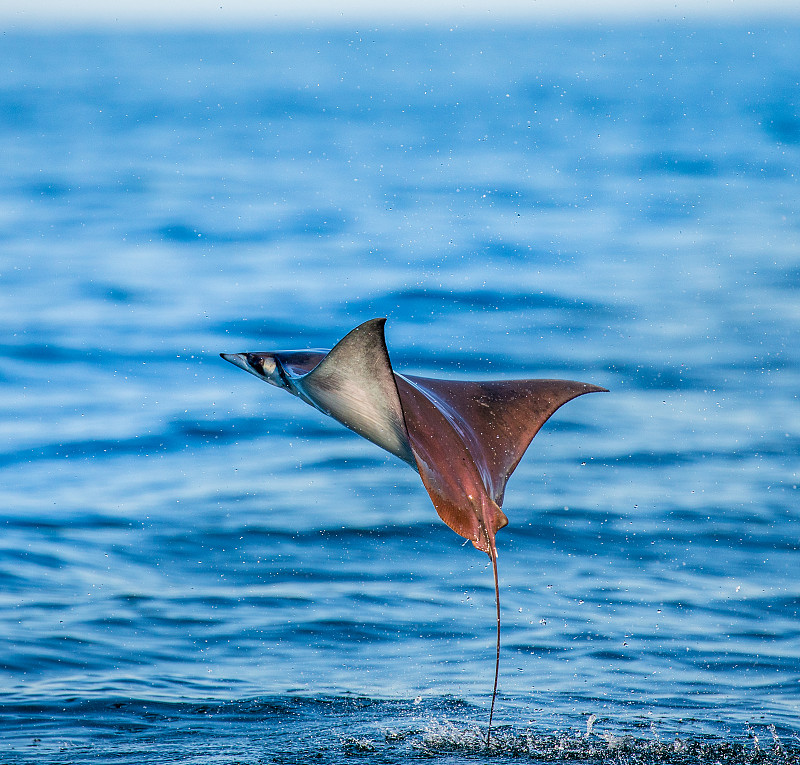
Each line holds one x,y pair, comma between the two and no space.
237,13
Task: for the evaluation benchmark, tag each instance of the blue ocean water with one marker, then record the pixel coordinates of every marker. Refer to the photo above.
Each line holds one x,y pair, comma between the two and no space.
196,567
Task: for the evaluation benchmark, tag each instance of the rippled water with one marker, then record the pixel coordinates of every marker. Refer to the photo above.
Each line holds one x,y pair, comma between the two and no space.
196,567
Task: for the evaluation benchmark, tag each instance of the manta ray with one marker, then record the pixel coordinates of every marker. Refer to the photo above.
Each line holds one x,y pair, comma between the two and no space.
464,438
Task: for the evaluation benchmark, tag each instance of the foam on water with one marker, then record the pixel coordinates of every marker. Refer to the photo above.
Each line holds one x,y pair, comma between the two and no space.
298,729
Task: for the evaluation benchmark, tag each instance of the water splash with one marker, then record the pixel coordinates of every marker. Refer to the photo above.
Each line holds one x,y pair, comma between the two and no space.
448,737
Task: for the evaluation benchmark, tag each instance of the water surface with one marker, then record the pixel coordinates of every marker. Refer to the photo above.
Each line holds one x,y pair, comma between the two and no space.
196,567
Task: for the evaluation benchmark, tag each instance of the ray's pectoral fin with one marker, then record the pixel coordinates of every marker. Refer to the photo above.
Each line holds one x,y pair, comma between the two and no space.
469,436
497,420
355,385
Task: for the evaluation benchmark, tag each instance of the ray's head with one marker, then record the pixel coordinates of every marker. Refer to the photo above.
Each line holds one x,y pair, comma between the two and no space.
265,366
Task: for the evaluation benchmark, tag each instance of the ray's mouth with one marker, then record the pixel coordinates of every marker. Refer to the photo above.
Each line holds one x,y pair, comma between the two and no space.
238,360
265,366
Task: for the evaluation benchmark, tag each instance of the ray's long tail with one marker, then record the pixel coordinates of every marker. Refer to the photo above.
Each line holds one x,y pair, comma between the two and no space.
493,555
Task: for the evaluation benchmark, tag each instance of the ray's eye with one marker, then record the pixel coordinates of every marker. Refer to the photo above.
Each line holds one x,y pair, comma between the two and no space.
268,365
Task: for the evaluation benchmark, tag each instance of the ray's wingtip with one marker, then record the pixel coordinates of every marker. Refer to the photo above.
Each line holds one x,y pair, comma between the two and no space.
592,388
